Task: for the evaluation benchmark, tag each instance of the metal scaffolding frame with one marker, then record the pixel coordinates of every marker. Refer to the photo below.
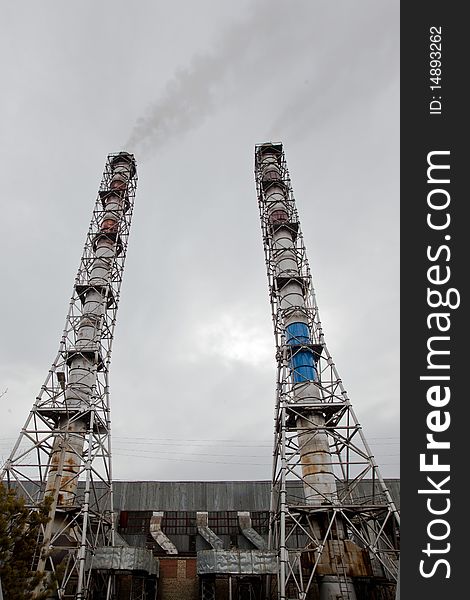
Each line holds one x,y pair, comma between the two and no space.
67,437
330,534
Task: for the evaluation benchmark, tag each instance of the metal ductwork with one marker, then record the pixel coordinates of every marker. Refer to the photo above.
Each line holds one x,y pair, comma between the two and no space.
156,532
244,521
202,522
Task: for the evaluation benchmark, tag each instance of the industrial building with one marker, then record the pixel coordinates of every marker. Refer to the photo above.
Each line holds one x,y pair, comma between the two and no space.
326,527
216,531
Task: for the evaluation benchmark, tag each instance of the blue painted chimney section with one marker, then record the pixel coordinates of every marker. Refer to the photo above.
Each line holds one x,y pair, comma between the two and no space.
303,361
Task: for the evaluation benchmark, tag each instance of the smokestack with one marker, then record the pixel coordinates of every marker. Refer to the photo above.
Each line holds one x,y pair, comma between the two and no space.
317,437
317,469
65,440
85,358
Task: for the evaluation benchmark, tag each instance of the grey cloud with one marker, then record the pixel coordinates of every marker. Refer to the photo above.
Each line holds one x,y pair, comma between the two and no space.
214,81
246,54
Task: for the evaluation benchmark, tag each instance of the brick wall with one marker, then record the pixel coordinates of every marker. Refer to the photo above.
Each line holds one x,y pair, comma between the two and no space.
178,579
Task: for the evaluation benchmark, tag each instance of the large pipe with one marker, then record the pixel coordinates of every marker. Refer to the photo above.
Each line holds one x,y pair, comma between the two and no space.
317,468
318,476
83,360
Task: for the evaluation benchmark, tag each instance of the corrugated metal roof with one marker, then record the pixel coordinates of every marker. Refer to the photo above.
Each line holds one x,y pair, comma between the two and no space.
213,495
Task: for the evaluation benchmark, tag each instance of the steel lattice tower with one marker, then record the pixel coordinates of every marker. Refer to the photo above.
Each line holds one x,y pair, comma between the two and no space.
64,449
330,540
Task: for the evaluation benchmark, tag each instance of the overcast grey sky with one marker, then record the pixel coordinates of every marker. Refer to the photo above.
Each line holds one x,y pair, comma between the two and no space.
190,88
